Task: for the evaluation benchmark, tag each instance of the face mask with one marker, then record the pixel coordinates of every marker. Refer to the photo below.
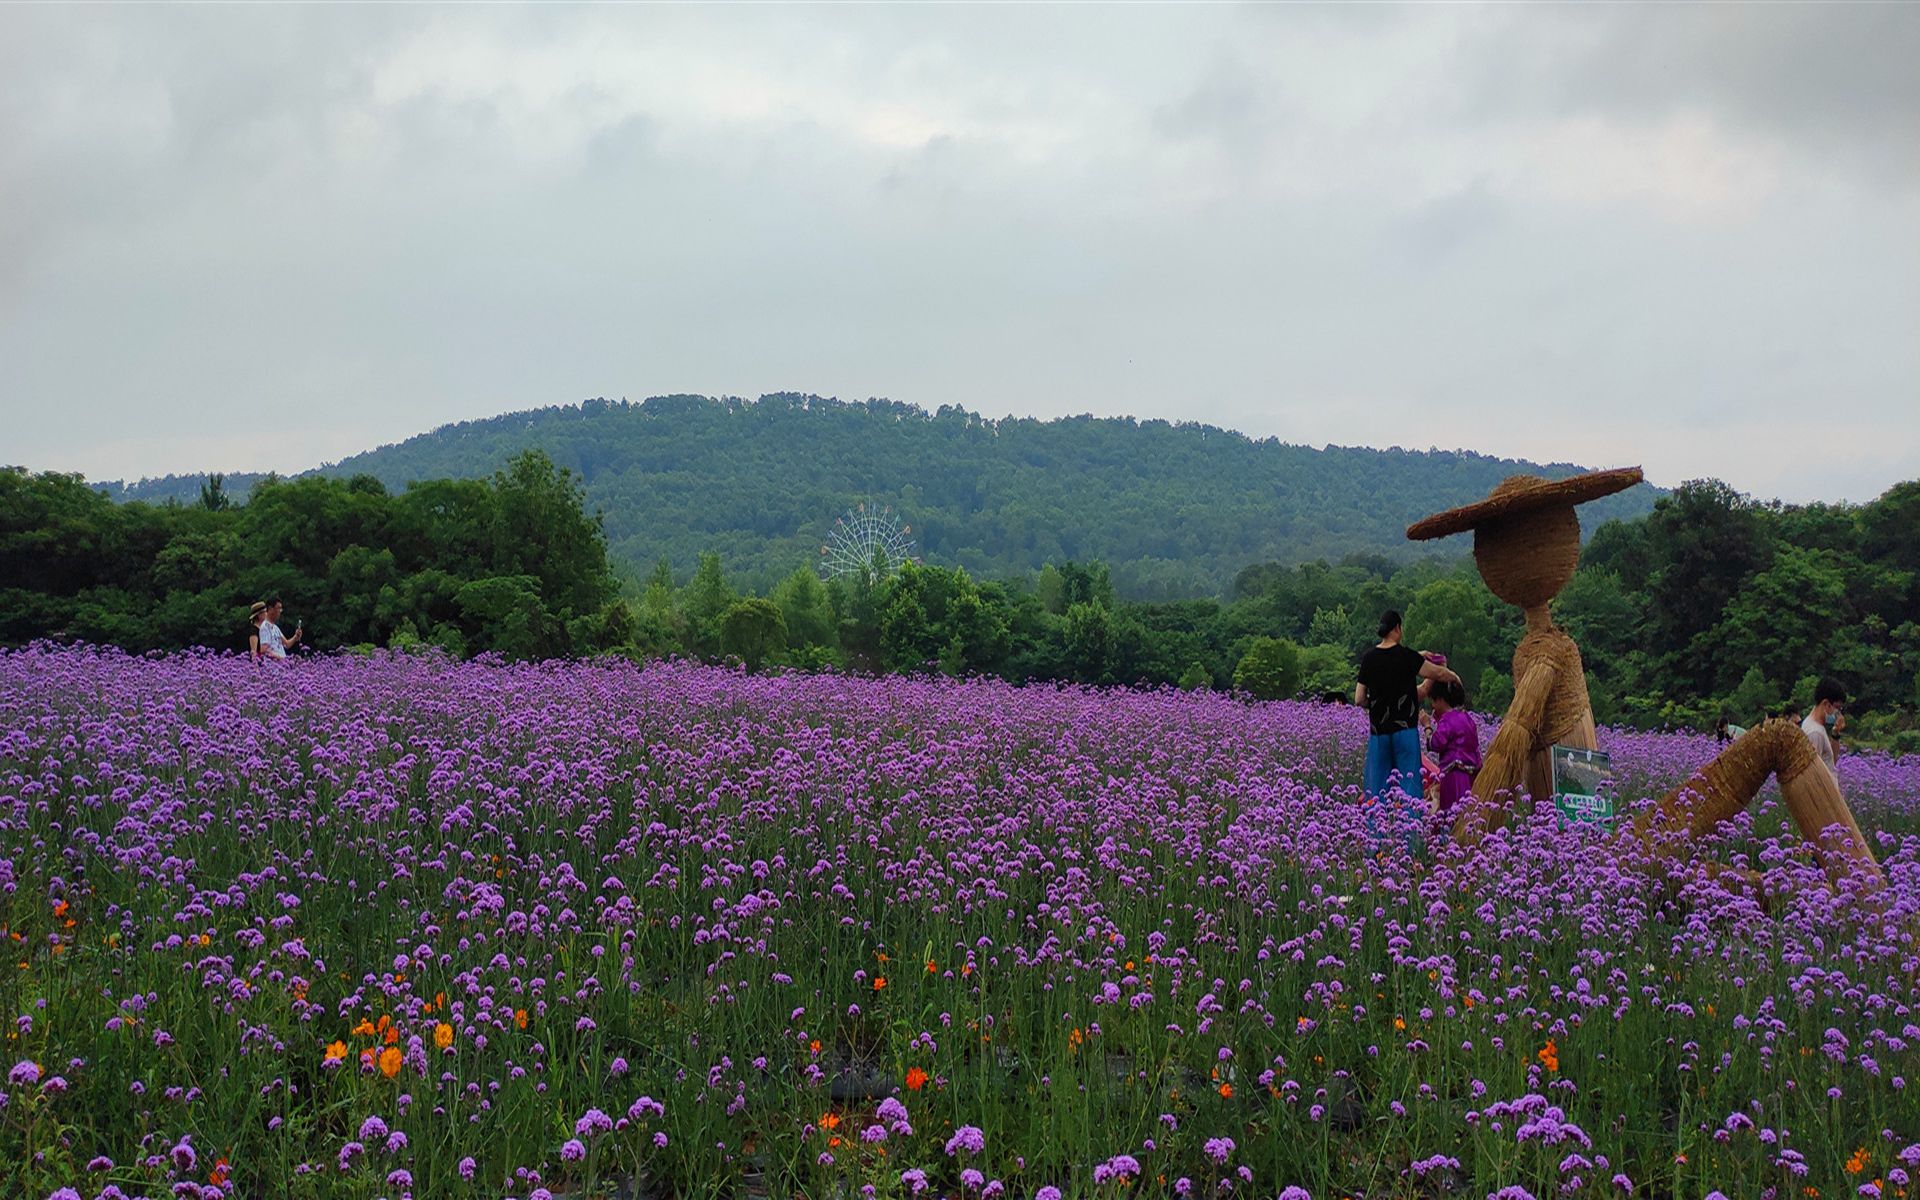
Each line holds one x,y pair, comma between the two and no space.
1833,719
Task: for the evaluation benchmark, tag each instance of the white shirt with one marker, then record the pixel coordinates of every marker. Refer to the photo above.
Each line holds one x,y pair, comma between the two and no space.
274,645
1822,744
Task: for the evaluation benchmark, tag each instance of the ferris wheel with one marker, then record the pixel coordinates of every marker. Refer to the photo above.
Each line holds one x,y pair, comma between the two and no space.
860,534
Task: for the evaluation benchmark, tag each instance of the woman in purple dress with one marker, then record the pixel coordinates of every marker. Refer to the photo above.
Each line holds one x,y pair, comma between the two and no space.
1455,745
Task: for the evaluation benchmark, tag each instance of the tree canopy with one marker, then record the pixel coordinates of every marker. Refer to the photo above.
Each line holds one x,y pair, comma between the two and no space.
1173,510
512,563
1711,604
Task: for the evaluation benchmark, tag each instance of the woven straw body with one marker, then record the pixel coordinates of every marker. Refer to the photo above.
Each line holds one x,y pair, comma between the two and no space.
1550,708
1526,543
1568,718
1729,783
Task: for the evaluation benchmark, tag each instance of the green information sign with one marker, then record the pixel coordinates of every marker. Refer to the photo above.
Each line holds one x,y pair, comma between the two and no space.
1580,779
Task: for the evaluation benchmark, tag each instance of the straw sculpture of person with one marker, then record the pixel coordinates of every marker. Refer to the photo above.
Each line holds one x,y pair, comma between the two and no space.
1526,544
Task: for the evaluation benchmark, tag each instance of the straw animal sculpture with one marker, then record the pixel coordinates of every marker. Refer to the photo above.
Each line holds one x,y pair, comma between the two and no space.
1526,544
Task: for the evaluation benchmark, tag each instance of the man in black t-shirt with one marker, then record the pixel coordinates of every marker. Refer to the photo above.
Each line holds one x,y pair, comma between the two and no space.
1390,683
1389,689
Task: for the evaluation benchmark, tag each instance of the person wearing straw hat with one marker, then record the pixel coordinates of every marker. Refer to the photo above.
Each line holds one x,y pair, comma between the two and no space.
1526,544
255,615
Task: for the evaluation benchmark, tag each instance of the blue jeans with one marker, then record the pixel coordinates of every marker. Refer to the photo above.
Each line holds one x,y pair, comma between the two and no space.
1392,782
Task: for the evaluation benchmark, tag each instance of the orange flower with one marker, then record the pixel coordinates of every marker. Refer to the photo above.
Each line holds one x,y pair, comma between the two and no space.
813,1047
219,1176
366,1059
392,1035
916,1079
931,968
879,982
1226,1091
390,1061
830,1120
1858,1162
60,908
363,1029
520,1017
443,1035
1400,1023
206,940
336,1051
1550,1055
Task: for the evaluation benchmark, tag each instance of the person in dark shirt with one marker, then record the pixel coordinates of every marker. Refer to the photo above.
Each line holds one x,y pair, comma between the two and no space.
1389,689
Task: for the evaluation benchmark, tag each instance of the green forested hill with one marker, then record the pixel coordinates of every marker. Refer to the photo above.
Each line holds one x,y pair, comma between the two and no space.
1175,509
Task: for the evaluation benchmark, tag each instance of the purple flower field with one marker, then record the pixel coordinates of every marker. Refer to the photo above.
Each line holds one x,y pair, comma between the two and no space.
396,926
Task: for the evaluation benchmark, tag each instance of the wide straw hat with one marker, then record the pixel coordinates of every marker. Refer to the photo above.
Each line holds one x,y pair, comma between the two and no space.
258,607
1524,494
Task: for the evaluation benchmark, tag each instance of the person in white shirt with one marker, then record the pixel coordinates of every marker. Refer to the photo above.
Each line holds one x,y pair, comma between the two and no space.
273,643
1829,707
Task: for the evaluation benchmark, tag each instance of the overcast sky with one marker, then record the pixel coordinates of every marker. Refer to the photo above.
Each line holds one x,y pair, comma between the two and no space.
265,237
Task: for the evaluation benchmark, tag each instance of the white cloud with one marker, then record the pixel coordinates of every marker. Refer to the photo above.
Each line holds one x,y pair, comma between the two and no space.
1685,166
1549,232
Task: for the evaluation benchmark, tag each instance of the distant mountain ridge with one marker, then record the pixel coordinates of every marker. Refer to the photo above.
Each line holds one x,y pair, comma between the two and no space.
1174,508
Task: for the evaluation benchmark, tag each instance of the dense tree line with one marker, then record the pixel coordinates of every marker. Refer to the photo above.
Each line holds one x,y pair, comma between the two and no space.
1710,605
1716,604
1175,510
511,563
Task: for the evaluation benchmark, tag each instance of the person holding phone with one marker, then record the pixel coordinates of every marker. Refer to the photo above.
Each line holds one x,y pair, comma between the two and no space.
274,644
